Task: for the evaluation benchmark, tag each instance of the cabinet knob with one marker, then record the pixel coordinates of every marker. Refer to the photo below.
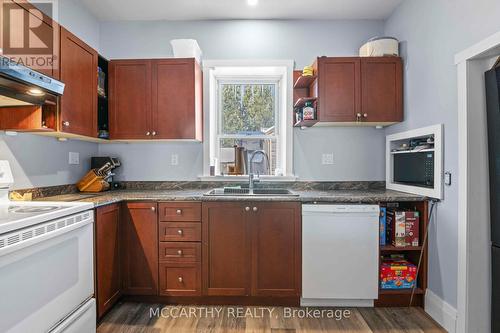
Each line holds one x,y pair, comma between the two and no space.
180,279
365,115
153,133
178,211
148,133
247,209
180,232
358,116
66,123
153,208
255,209
179,252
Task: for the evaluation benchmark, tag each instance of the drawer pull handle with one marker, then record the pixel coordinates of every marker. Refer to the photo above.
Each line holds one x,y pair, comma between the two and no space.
179,211
247,209
180,279
153,209
179,252
255,209
180,232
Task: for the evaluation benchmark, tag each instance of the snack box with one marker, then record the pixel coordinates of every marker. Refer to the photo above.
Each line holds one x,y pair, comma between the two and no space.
397,274
396,227
402,228
383,225
412,221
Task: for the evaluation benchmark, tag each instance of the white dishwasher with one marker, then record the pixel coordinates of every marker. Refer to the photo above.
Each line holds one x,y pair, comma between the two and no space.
340,246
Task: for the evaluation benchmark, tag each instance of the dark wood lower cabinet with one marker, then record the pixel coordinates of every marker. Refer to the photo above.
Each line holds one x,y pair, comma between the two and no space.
107,247
140,248
276,249
180,279
251,249
226,249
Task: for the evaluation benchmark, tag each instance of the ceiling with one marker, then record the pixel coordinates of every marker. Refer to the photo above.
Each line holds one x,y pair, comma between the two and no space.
117,10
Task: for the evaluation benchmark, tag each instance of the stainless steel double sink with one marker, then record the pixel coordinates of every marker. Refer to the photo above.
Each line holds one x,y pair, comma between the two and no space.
251,192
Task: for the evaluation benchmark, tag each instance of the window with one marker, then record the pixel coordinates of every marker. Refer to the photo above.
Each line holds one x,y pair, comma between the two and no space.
248,109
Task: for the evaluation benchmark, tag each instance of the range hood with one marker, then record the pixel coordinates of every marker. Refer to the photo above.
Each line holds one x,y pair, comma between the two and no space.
20,86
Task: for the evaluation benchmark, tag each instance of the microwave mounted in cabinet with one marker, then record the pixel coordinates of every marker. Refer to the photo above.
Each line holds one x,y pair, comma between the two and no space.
414,161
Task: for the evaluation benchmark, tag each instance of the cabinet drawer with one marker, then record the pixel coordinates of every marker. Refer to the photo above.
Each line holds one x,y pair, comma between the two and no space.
180,231
178,279
180,211
180,252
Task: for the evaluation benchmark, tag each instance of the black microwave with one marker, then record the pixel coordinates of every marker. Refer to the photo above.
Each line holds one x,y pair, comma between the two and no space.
414,168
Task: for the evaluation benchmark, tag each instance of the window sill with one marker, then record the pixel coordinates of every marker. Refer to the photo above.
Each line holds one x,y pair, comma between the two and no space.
240,178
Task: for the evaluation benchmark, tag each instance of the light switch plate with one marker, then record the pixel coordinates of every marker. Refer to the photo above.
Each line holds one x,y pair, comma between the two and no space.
74,158
174,159
447,178
327,159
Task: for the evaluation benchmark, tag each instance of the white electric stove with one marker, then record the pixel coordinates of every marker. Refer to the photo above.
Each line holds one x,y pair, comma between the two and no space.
46,264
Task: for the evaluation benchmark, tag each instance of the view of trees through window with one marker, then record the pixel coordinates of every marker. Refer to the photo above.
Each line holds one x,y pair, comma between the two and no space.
248,109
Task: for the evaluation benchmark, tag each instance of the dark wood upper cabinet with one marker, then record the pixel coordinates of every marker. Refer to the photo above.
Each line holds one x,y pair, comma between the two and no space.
177,99
78,70
155,99
338,89
355,90
382,89
130,99
276,249
140,248
226,249
107,247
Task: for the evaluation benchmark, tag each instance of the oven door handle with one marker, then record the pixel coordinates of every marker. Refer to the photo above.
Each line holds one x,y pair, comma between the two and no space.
18,240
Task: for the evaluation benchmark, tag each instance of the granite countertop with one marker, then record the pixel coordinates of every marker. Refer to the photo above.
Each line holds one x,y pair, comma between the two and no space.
328,196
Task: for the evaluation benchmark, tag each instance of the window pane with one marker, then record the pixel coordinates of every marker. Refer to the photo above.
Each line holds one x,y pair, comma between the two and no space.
248,108
259,165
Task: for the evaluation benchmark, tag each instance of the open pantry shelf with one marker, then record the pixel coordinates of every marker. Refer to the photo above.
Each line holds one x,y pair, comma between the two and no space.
304,81
401,297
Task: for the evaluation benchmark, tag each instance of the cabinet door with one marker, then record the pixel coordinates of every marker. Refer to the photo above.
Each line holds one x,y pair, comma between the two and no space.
130,99
382,89
108,275
79,73
226,249
339,89
140,249
176,99
276,249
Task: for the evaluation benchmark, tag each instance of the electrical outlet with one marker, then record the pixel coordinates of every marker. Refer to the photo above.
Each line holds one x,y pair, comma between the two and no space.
327,159
74,158
174,159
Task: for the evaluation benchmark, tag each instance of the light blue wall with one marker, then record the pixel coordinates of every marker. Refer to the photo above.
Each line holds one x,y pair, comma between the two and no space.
431,33
301,41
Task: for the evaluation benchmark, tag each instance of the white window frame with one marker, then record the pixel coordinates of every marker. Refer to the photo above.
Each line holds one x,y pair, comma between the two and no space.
263,71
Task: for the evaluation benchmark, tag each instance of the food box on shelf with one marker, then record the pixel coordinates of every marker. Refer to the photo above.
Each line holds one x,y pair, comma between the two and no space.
402,228
383,221
397,274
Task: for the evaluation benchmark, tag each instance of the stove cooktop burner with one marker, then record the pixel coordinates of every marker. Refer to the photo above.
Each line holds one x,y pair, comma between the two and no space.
32,209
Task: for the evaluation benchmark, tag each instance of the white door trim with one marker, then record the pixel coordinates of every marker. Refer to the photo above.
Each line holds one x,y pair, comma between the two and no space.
466,192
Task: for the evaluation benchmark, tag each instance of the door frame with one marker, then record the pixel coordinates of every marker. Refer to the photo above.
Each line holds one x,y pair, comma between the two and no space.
473,299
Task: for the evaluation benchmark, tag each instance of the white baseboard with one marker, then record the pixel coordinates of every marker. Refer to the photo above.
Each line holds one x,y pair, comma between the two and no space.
440,311
361,303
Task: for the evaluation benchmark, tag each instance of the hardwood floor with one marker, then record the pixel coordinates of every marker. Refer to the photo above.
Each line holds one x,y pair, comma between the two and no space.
155,318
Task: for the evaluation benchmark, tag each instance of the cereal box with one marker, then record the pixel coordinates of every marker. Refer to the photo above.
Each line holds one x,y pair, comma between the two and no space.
411,228
383,223
396,227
